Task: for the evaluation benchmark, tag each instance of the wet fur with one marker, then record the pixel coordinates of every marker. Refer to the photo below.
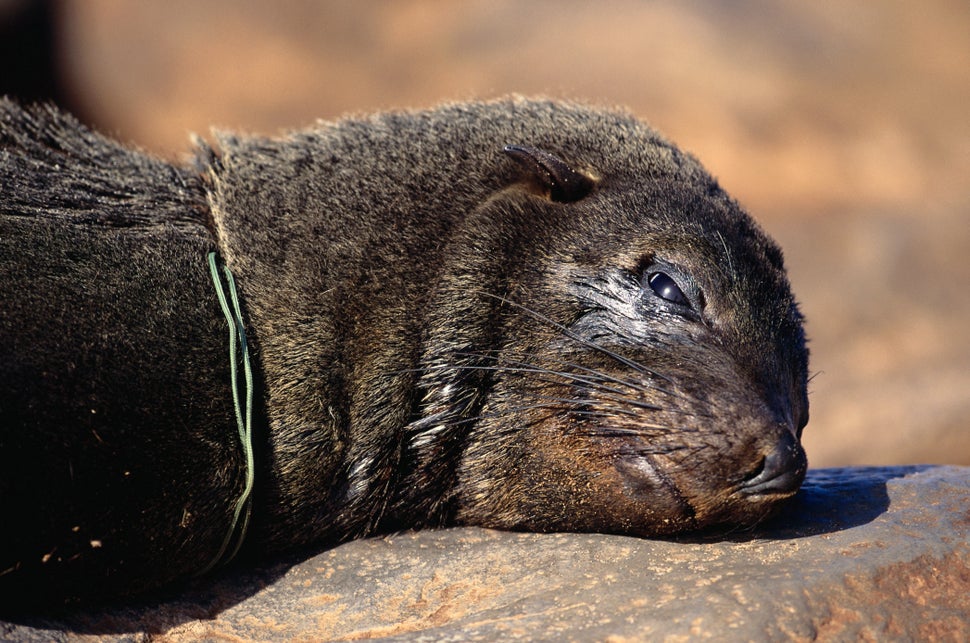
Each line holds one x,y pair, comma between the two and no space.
442,335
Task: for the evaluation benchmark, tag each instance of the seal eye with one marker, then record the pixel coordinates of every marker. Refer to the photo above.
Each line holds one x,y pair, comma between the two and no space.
664,286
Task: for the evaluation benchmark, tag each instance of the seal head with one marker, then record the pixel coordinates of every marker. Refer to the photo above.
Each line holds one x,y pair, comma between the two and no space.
651,373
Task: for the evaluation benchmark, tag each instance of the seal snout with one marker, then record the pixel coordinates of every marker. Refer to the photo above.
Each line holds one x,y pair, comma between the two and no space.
781,471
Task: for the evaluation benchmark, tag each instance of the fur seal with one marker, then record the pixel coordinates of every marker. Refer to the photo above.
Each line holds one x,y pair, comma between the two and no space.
520,314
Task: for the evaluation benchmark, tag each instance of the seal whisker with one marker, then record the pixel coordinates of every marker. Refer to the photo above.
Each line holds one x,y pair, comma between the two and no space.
582,402
552,404
571,335
628,432
607,377
648,450
597,347
592,377
609,393
530,369
600,374
639,386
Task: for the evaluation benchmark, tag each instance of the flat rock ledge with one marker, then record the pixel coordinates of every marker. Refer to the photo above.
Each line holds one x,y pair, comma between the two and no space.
862,554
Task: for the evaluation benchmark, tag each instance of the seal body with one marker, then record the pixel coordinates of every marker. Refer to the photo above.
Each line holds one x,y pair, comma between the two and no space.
520,314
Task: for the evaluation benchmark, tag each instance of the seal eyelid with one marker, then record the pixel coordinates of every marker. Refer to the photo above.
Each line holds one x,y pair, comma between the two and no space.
665,287
674,287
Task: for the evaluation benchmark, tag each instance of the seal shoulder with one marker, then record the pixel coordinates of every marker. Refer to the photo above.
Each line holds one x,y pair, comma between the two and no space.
60,168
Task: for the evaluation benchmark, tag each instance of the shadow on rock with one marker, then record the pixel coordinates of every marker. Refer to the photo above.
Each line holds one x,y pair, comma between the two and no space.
829,501
199,599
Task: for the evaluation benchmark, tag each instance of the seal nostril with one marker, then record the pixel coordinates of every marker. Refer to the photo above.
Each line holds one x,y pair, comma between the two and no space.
782,470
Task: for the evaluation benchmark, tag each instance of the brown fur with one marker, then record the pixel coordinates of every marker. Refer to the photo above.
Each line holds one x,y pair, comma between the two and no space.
443,334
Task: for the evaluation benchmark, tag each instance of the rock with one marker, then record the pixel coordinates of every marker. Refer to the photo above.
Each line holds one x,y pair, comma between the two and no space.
863,553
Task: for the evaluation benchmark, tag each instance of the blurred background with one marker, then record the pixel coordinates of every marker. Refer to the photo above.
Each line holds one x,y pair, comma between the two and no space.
843,126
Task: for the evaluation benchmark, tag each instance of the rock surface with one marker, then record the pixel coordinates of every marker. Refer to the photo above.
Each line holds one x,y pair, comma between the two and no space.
862,554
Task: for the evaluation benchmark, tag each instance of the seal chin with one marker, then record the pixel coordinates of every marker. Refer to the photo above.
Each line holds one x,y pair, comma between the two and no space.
646,483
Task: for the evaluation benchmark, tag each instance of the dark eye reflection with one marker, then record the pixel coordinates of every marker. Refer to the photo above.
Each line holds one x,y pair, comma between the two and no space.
664,286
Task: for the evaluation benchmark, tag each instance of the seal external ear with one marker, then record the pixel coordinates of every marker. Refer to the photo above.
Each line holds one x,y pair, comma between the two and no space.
563,183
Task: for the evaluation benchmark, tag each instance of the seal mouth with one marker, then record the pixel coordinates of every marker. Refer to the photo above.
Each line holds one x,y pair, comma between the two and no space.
781,471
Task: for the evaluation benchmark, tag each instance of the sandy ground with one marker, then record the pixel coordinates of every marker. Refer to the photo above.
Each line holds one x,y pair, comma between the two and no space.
844,127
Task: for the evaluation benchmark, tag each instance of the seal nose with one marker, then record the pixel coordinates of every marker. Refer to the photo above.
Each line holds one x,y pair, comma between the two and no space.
782,471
